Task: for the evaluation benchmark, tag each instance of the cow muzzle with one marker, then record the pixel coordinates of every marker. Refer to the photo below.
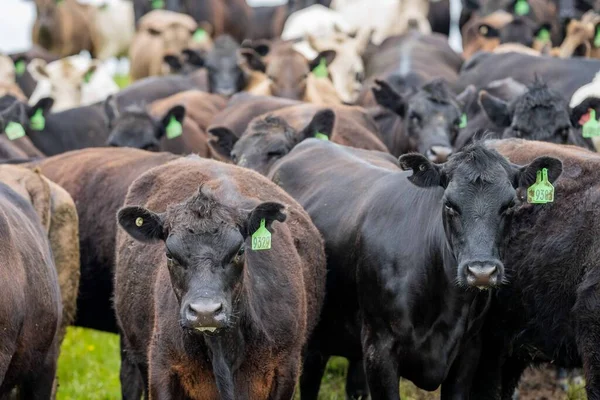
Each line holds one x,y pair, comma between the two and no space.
483,274
205,315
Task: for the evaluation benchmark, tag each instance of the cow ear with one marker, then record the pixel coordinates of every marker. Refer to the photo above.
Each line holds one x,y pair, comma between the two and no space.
327,55
15,112
468,96
269,211
387,97
177,112
141,224
322,123
495,108
526,175
261,47
37,69
111,109
194,58
173,62
224,142
425,173
252,59
583,108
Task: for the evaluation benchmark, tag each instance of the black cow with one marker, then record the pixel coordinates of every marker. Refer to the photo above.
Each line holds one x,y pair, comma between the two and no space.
406,254
549,310
562,75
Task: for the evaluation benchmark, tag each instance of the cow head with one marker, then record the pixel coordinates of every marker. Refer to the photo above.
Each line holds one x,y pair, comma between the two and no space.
286,69
538,114
267,139
207,245
431,116
48,33
481,191
10,113
62,80
580,35
135,127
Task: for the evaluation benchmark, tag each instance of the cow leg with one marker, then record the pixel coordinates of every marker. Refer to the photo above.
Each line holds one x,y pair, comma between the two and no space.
587,332
460,379
488,375
356,381
512,370
40,386
314,368
132,383
285,386
381,365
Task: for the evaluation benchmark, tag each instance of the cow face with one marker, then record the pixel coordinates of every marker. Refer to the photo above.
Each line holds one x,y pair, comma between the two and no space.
431,116
481,190
136,128
48,22
206,250
267,140
539,114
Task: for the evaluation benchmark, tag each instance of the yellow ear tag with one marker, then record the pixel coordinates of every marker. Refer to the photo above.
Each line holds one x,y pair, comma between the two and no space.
139,221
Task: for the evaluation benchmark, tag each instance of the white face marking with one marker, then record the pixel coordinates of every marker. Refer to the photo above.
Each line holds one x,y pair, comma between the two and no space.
207,329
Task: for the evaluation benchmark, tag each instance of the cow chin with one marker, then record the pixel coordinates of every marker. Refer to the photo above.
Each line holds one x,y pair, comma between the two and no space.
480,274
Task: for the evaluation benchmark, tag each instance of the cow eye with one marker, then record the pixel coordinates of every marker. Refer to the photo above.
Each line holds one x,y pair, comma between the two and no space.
171,260
276,154
518,133
451,209
414,117
239,255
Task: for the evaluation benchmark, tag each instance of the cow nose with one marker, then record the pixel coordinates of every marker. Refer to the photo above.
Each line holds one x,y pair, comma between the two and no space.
439,154
204,314
482,275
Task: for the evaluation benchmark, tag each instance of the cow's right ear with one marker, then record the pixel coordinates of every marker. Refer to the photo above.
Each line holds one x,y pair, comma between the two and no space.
495,108
44,105
141,224
582,109
425,173
269,211
37,69
387,97
15,112
322,123
252,59
111,109
224,142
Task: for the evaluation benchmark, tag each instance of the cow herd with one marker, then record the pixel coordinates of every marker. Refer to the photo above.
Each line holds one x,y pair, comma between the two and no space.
282,184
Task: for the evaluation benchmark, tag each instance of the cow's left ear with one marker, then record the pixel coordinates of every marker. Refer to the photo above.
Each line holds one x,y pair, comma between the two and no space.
141,223
526,175
468,96
327,55
250,59
176,113
15,112
582,109
425,173
44,105
224,142
495,108
322,123
269,211
387,97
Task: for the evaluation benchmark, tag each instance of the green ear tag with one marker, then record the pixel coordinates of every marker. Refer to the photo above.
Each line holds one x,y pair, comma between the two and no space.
88,77
200,35
522,7
157,4
14,131
261,239
597,37
321,136
139,221
463,121
591,128
20,67
37,122
320,71
543,35
174,128
542,191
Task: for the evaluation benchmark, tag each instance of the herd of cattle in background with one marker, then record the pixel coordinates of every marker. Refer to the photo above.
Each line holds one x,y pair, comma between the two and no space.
279,185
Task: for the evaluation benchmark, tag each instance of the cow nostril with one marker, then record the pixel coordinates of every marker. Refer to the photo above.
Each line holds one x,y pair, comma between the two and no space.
439,154
482,275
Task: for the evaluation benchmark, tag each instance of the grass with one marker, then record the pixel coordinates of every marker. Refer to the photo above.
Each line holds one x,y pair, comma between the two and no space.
88,368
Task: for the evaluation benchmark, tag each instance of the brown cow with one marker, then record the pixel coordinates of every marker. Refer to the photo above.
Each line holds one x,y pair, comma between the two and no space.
580,37
159,33
271,136
232,321
30,309
64,28
289,75
59,219
84,174
148,127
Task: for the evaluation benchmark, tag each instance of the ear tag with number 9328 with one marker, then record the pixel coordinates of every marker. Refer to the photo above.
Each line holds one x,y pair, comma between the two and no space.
261,239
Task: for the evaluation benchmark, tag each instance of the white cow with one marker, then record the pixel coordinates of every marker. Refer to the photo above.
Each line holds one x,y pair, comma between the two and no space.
592,89
114,24
72,82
